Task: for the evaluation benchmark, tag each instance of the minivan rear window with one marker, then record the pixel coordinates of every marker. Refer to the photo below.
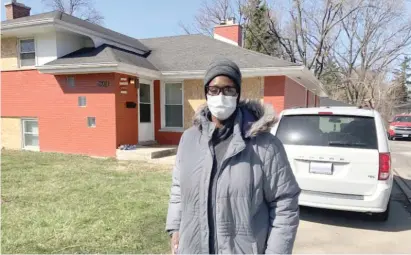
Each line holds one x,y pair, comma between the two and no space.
328,130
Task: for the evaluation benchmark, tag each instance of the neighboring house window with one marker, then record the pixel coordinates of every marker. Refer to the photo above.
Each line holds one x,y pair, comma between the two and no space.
145,103
91,122
27,52
82,101
71,81
174,105
30,133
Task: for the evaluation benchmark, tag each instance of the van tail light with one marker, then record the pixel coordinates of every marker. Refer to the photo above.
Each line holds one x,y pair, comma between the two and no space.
325,113
385,166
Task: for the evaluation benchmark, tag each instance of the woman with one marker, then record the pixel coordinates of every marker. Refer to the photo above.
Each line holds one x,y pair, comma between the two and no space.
233,190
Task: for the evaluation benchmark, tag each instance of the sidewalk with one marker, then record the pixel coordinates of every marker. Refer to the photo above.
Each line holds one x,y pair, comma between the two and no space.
403,178
402,170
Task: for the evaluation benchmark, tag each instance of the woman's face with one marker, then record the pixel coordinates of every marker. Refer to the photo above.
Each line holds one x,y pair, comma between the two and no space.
222,84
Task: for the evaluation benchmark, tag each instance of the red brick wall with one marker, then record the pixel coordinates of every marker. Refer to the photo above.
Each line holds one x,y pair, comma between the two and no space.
310,99
232,32
166,138
15,11
274,91
126,118
295,94
62,124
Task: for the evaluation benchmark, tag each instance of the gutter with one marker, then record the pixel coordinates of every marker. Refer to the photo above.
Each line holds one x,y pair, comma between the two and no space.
108,67
58,23
246,72
5,27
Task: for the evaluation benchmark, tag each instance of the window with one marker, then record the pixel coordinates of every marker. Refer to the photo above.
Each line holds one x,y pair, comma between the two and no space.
328,130
27,52
402,119
174,105
71,81
91,122
145,105
82,101
30,133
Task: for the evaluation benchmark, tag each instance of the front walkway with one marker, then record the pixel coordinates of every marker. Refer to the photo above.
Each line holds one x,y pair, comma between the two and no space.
154,153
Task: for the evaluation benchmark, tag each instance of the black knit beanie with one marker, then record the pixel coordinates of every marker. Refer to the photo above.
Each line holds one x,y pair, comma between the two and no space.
226,67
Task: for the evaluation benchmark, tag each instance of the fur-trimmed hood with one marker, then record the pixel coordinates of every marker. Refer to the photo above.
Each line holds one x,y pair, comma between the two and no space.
253,116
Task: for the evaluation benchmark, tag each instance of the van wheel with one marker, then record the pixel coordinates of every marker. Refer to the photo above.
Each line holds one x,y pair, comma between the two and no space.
383,216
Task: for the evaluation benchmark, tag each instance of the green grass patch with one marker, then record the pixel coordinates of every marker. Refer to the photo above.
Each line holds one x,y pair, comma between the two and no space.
54,203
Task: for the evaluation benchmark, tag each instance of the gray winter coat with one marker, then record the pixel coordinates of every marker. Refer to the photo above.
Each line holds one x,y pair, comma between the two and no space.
257,195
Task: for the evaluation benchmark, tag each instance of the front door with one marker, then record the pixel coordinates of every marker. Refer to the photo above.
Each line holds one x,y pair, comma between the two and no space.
145,127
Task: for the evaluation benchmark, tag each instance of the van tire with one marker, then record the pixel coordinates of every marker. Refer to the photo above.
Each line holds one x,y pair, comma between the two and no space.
383,216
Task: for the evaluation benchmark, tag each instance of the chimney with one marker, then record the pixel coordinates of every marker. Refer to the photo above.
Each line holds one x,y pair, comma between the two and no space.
16,10
230,32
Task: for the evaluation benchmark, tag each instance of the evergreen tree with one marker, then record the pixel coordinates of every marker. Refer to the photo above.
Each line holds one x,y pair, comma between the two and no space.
257,37
402,81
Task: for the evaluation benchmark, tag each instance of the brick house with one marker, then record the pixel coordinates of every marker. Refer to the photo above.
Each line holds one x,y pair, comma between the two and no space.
74,87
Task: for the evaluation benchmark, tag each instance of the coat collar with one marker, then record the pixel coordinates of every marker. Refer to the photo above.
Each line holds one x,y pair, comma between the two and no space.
252,119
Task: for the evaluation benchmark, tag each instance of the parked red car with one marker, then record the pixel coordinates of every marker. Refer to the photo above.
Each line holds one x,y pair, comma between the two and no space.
400,127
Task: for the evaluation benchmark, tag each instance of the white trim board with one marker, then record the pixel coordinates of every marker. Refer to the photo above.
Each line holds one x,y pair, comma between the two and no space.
298,73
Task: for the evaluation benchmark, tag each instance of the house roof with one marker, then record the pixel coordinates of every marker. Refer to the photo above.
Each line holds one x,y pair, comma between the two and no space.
325,101
57,15
195,52
103,54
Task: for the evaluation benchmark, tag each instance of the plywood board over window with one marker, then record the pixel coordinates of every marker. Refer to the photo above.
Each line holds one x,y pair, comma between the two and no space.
194,95
193,98
9,53
11,133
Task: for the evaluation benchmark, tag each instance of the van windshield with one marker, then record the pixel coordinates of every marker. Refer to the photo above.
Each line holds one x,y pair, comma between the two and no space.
328,130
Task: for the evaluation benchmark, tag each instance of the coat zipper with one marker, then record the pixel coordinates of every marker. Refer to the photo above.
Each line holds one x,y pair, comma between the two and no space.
225,161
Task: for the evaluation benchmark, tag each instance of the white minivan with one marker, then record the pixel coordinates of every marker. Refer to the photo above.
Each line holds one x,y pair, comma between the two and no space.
340,157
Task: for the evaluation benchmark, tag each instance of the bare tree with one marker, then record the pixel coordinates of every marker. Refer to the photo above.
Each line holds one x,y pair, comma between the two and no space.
212,12
83,9
372,39
312,32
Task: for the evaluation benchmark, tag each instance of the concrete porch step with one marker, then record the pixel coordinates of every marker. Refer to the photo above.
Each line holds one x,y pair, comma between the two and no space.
147,152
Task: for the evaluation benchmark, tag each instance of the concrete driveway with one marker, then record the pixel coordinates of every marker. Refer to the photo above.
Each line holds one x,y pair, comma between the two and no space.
327,231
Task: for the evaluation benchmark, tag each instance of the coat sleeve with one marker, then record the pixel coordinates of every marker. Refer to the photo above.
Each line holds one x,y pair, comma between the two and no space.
174,206
281,192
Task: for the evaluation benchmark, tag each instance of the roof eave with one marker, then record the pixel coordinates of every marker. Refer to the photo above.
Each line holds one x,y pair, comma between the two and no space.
300,73
16,25
70,27
110,67
246,72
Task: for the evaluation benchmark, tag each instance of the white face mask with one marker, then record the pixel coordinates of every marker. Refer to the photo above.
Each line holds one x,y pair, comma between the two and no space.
221,106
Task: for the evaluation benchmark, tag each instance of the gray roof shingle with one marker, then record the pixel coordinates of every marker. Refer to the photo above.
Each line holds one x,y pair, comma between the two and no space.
195,52
103,54
57,15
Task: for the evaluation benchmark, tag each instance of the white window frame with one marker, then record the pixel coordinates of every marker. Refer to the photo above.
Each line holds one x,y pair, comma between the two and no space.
95,122
19,51
163,106
74,81
80,101
23,133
